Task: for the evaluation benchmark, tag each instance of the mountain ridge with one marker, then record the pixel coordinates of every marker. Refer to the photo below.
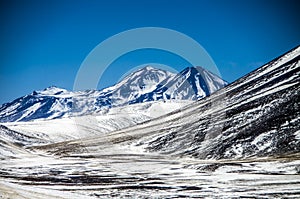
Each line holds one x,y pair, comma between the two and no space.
143,85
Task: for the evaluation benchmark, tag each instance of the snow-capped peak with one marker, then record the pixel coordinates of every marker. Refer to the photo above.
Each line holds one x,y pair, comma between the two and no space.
148,68
51,90
145,84
147,73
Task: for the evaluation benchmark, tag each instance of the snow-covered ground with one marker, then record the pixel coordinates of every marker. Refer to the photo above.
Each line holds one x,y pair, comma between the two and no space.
63,129
120,172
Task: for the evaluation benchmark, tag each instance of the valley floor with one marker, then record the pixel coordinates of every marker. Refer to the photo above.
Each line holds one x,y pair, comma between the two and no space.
124,172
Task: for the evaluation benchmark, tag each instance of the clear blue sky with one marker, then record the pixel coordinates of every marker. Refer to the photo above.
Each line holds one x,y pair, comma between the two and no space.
44,42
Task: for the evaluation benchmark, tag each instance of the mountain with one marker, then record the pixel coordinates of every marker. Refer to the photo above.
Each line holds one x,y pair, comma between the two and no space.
146,84
190,84
242,141
257,115
50,103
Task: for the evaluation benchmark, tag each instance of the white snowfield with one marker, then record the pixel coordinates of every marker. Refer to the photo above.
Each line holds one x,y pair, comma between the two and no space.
68,128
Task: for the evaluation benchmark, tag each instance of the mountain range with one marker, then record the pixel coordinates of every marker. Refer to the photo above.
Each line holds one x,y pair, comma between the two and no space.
257,115
241,141
143,85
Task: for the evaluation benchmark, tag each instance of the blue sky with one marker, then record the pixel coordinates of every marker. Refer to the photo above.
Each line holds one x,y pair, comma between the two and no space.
43,43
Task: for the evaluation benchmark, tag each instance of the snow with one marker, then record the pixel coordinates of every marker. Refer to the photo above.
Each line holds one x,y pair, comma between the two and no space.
10,110
30,110
129,152
280,62
68,128
13,190
263,141
273,89
297,135
213,82
200,93
55,92
268,68
119,171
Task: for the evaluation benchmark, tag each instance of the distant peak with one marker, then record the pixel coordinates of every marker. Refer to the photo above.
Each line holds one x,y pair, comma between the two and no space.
199,68
194,68
51,88
187,69
148,67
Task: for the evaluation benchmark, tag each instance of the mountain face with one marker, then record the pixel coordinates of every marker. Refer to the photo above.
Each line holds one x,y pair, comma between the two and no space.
257,115
190,84
146,84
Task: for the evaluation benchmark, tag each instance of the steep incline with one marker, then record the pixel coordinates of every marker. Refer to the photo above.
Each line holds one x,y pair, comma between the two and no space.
258,114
